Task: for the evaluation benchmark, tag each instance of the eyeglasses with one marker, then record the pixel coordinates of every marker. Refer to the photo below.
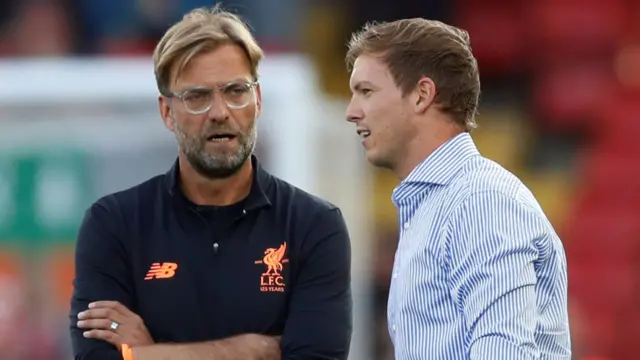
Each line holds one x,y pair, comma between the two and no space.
199,100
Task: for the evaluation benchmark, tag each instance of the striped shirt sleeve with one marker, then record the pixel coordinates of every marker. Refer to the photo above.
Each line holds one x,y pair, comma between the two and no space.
490,255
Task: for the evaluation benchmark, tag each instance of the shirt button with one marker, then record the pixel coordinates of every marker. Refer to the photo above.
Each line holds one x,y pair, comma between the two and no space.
393,328
395,275
406,225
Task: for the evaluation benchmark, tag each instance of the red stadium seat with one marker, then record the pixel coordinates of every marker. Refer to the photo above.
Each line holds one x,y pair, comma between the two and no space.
610,179
602,285
609,234
602,253
628,338
129,47
496,36
576,27
567,97
602,335
618,126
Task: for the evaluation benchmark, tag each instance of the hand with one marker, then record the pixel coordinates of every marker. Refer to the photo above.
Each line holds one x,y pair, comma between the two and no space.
99,318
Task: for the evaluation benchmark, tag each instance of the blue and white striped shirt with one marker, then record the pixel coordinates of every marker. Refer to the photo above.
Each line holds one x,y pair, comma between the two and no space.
479,272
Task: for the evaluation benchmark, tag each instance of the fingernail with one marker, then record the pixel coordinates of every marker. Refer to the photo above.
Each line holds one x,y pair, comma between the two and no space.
80,323
92,305
81,315
85,334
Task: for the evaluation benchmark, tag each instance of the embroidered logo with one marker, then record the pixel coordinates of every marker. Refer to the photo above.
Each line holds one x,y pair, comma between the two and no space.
161,271
272,280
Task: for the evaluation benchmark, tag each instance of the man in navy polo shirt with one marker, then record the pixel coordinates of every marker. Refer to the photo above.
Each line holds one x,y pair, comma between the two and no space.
216,259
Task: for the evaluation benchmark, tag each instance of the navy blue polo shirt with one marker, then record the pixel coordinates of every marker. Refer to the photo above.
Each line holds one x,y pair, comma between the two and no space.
276,263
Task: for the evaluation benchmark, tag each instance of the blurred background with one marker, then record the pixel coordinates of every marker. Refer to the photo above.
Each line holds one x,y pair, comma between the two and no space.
561,98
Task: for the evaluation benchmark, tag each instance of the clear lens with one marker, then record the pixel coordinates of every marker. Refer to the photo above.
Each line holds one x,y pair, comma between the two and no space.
235,95
198,100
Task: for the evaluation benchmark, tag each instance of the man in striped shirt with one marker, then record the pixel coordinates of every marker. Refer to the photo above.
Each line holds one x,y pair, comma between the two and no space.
479,272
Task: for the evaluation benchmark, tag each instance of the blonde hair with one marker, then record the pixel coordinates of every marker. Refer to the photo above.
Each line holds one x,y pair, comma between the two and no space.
199,31
413,48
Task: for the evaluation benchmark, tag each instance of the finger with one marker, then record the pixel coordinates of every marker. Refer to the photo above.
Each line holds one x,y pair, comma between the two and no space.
111,305
106,335
99,324
103,313
102,304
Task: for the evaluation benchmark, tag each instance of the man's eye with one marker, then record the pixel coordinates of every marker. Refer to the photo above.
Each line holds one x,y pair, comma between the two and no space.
365,91
194,96
237,90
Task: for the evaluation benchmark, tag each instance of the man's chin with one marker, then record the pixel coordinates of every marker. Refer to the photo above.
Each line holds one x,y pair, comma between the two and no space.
377,160
221,168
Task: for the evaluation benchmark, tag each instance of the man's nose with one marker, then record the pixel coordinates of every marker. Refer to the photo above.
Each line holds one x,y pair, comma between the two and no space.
219,110
353,113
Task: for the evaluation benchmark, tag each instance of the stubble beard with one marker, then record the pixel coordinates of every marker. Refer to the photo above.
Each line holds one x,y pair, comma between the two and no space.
215,165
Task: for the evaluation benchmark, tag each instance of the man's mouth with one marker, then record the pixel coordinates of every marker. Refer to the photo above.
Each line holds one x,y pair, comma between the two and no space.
221,137
364,134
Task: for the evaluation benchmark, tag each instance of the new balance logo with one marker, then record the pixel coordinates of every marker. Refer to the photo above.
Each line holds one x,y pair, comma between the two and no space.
161,271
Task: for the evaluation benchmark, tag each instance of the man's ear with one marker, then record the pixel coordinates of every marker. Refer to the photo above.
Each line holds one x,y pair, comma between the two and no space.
166,113
425,94
258,100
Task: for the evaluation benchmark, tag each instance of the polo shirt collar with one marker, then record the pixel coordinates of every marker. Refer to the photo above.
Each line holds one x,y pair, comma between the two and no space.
257,196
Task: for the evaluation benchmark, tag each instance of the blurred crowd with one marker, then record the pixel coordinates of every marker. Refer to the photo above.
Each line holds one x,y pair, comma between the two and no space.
560,109
131,27
122,27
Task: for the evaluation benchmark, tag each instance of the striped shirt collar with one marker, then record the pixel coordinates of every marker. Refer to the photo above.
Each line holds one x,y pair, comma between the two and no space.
441,166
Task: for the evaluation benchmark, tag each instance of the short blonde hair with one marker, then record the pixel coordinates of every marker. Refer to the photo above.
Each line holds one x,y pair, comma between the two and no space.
413,48
199,31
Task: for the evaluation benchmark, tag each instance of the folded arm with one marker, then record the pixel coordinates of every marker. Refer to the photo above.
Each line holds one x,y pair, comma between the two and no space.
246,347
100,274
